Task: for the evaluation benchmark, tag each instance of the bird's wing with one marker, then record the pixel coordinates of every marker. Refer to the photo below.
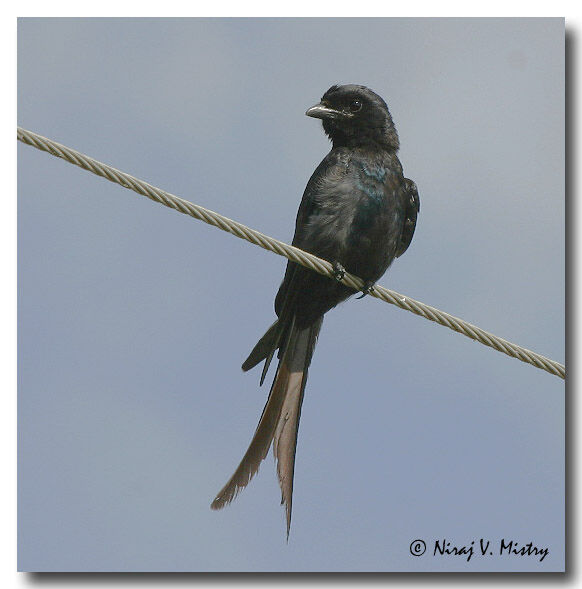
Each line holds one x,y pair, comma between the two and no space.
412,210
295,274
333,164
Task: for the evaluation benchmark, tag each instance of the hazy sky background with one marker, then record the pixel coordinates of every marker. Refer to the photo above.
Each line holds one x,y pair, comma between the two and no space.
134,319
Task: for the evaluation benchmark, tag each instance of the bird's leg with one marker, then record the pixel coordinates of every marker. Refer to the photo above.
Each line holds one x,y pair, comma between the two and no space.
338,271
368,288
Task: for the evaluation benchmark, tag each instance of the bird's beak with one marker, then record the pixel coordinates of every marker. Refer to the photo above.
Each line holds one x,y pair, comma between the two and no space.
320,111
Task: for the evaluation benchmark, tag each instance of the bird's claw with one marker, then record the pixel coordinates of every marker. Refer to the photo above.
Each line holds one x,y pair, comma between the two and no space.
368,289
338,271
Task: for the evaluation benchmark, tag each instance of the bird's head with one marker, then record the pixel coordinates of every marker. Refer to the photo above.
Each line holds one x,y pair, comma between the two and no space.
355,116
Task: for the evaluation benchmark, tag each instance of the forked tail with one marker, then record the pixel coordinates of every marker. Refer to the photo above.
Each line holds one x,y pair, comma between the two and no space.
280,419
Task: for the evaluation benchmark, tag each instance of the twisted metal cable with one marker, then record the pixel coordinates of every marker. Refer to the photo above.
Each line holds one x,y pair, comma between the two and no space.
290,252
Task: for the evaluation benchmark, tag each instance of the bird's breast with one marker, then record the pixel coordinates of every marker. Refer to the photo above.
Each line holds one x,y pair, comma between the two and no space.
355,214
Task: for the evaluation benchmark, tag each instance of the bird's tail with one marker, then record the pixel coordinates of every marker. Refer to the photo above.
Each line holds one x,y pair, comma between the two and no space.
280,419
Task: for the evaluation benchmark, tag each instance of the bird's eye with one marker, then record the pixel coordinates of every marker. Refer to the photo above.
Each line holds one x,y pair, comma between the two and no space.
355,105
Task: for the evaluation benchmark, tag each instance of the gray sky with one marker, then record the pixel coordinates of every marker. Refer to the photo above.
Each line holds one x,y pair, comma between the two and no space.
134,319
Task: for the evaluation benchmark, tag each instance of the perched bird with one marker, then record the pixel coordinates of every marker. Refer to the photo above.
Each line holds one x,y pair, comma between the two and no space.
359,213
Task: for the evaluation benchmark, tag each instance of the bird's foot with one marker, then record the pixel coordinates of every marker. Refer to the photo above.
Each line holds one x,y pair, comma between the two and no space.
368,289
338,271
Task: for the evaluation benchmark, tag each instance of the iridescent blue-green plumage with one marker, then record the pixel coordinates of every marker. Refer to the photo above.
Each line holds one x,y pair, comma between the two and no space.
358,212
